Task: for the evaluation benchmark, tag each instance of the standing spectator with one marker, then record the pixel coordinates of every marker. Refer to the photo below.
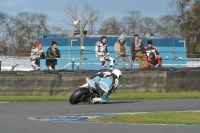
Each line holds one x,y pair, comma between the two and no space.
138,52
36,54
52,53
101,49
153,55
121,52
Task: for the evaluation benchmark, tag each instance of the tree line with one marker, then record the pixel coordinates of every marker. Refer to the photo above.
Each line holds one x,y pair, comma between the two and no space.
19,33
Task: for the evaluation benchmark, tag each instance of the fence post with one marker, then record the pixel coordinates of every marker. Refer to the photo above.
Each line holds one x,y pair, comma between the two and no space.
0,64
78,66
73,64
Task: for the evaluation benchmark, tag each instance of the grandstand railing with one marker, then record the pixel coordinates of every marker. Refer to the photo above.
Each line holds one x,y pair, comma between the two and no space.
23,64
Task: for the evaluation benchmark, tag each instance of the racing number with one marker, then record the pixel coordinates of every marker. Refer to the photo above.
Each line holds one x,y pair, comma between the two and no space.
104,86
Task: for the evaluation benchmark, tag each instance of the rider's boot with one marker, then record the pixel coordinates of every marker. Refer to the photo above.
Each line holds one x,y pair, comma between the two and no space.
96,100
105,97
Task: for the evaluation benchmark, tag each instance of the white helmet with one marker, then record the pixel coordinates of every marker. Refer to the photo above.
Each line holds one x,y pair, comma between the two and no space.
117,72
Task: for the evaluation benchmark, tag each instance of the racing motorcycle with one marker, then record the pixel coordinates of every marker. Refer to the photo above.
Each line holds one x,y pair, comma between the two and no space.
85,94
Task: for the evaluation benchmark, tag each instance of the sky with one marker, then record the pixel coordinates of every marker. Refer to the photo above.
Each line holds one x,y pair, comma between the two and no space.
108,8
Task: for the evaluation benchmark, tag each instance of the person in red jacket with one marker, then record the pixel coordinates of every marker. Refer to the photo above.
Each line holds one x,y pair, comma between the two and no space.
153,55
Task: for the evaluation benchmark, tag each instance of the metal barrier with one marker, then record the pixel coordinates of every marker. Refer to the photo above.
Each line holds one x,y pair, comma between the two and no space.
23,63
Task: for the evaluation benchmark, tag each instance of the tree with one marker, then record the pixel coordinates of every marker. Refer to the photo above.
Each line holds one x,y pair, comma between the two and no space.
87,14
168,26
3,38
92,16
195,12
186,23
24,29
111,26
55,30
71,12
131,22
147,25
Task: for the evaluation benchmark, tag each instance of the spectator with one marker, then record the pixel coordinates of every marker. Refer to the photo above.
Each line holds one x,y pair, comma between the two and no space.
36,54
153,55
121,52
138,52
101,49
52,53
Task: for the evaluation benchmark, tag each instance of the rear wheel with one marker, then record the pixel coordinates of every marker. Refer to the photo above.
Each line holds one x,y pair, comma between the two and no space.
78,95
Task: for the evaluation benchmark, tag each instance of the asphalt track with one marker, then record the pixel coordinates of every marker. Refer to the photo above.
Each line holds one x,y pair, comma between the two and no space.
14,116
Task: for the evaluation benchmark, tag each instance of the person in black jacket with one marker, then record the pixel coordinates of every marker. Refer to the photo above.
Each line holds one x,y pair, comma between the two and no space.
138,52
52,53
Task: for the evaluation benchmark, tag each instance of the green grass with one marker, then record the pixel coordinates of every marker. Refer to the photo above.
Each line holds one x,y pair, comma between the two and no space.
33,98
115,96
188,118
154,95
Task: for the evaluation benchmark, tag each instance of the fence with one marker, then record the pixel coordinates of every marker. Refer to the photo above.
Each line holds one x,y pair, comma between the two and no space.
172,50
90,62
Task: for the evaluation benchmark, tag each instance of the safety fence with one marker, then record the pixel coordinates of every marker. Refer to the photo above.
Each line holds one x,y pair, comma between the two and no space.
71,61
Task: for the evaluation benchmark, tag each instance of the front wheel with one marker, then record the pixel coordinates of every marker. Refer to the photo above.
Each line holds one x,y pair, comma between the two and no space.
78,95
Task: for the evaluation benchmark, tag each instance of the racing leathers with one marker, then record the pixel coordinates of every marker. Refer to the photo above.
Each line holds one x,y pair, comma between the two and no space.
102,54
99,76
36,55
154,57
105,87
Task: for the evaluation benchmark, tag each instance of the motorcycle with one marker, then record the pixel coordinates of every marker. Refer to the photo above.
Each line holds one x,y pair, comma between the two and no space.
85,94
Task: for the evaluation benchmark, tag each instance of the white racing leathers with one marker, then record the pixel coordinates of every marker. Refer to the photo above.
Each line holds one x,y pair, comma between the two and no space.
102,54
36,54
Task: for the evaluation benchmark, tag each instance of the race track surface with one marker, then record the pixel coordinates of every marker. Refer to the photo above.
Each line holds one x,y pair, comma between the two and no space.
14,116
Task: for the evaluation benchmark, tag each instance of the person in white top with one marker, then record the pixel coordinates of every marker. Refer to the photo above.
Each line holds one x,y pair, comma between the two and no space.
36,54
101,49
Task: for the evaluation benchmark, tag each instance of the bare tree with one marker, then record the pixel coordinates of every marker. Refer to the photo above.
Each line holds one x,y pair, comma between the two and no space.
131,22
71,12
92,16
168,26
56,30
148,25
3,20
24,29
111,26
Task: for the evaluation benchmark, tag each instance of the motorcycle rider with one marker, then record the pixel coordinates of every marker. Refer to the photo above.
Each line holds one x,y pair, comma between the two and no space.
97,78
105,86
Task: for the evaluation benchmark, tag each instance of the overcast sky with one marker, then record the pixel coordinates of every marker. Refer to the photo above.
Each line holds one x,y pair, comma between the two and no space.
55,8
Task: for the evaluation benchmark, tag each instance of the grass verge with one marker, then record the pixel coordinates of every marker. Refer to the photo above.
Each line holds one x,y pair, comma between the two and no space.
115,96
33,98
188,118
154,95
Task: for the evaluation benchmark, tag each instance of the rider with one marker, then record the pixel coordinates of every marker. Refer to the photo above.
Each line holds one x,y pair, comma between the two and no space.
105,86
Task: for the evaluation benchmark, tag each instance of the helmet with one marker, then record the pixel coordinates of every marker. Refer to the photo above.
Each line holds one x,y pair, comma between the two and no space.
151,55
117,72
